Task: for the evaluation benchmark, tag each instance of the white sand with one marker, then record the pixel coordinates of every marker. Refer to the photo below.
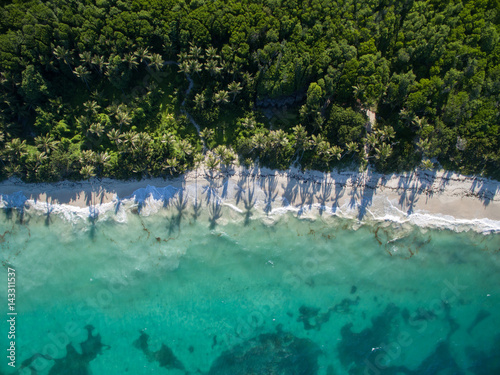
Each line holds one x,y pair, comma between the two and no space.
419,196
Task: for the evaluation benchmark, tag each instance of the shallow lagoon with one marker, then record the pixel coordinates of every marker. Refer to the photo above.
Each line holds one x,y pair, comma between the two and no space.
181,292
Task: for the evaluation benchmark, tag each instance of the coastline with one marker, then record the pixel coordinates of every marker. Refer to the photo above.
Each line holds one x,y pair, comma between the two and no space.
427,199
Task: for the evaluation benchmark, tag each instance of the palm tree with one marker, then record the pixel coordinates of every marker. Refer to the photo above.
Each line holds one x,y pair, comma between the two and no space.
91,107
208,135
131,61
337,152
16,149
426,164
199,101
278,138
63,54
171,165
48,63
249,122
221,97
352,147
195,52
383,152
123,117
211,53
184,148
300,136
129,140
87,172
142,141
40,159
96,128
184,67
115,136
212,161
99,63
259,141
234,89
182,56
156,61
86,58
212,67
45,143
143,55
423,145
103,161
82,73
371,139
88,157
194,66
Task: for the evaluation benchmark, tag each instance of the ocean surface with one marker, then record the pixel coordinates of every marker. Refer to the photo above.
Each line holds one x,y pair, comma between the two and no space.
216,291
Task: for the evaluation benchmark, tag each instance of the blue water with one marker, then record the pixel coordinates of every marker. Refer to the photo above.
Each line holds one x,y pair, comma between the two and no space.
179,293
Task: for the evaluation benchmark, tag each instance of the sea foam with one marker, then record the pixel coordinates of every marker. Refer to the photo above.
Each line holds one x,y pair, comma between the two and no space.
258,201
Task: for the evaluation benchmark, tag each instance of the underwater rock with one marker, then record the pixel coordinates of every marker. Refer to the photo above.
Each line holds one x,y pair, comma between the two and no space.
481,315
73,363
271,353
484,363
356,347
165,356
312,319
344,306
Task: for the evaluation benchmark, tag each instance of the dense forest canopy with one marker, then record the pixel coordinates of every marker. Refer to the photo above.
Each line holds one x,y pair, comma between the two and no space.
151,88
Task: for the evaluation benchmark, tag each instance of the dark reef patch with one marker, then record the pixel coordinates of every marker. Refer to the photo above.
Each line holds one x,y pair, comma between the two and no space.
312,319
356,347
484,363
73,363
271,353
164,356
481,315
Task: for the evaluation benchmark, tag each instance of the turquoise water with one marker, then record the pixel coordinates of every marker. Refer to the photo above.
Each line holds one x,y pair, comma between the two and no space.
178,293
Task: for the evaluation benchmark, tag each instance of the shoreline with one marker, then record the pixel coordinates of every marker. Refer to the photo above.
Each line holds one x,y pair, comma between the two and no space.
436,199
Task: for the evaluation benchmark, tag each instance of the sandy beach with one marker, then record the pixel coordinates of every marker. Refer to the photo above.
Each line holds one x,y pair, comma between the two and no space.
418,195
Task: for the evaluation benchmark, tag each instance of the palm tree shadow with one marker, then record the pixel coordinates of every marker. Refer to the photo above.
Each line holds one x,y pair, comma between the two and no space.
240,188
48,213
249,202
196,210
117,205
355,192
93,216
270,193
324,194
339,193
225,184
215,212
9,212
409,195
211,189
369,189
180,204
289,191
15,203
485,193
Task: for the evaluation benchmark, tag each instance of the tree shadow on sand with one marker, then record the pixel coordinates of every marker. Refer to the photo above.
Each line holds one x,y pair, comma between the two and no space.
269,185
215,212
249,202
368,190
180,204
325,192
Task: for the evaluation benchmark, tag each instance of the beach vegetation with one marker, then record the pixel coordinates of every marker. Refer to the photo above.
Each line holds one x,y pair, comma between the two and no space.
139,89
